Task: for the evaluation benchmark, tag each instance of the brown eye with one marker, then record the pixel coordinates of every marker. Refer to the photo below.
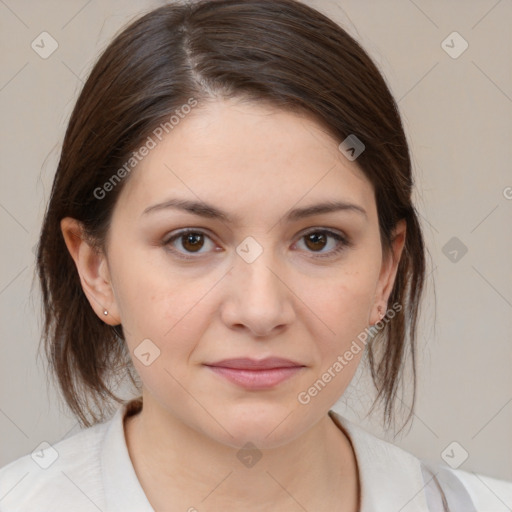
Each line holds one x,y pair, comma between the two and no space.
192,241
316,241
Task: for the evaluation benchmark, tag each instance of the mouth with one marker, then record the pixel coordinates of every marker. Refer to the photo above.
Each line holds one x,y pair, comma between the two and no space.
256,374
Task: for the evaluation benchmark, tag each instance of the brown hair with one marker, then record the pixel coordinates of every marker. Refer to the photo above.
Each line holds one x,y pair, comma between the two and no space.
283,53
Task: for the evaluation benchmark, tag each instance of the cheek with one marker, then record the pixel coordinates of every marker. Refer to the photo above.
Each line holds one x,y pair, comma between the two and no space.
144,288
344,304
160,305
346,298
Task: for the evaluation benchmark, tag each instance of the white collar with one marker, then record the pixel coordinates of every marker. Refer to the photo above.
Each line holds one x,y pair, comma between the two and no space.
123,491
390,478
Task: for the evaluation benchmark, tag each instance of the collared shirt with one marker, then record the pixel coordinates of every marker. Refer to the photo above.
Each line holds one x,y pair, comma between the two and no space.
91,471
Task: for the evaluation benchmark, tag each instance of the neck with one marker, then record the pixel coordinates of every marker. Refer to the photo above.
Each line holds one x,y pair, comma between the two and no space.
177,464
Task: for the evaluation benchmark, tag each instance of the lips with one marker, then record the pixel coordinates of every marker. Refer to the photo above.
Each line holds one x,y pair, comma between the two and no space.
246,363
253,374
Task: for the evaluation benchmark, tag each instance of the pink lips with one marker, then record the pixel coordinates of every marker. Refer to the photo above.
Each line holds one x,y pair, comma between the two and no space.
256,374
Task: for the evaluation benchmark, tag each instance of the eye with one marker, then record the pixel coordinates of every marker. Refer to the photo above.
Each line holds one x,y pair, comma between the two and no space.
191,240
317,239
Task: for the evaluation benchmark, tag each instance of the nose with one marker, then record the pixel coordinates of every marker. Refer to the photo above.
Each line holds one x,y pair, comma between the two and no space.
258,297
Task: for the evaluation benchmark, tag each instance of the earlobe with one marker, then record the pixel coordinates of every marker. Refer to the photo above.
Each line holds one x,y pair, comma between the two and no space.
92,268
388,272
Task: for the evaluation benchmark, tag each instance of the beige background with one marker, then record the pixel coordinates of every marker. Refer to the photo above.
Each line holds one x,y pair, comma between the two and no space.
458,117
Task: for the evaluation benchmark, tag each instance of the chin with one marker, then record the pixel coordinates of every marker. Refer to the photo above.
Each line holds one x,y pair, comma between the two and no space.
267,425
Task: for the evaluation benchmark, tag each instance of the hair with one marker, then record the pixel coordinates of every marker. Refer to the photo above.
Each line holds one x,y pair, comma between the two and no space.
282,53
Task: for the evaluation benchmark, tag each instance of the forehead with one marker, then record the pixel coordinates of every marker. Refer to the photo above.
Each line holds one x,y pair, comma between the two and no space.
247,156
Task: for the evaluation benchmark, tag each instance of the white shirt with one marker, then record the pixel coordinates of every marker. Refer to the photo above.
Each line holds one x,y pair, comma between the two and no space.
93,472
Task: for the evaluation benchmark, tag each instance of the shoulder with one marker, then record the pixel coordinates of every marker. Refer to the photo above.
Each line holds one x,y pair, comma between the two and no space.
390,477
486,493
395,479
60,477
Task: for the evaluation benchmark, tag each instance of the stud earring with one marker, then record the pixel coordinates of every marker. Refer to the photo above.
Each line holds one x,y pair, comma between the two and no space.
105,312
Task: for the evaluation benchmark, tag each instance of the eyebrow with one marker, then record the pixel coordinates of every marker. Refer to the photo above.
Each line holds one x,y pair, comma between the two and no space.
211,212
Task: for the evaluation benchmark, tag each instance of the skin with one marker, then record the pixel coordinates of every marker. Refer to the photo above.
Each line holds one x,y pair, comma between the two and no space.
257,163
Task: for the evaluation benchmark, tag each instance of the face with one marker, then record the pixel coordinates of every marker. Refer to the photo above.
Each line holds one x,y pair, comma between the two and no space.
193,287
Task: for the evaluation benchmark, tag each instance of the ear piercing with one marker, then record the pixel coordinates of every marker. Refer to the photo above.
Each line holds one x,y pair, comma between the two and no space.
105,312
380,313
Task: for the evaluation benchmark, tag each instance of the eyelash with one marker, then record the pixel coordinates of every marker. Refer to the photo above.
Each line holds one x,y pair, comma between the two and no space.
343,242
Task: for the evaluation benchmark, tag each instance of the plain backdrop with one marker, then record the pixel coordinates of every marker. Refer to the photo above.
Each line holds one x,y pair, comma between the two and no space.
457,111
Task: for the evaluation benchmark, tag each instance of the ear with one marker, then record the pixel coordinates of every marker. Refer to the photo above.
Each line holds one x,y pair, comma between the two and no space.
388,272
93,271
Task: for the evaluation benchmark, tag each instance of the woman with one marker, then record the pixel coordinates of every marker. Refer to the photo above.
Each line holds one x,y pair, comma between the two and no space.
231,226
